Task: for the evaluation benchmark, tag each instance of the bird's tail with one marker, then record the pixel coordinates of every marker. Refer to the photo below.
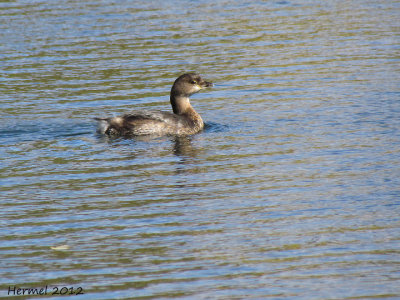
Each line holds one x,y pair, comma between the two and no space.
102,125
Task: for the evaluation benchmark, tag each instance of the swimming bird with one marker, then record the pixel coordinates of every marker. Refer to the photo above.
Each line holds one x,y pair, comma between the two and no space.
183,121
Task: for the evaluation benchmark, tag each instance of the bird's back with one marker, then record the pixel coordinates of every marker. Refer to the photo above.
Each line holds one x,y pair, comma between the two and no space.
150,122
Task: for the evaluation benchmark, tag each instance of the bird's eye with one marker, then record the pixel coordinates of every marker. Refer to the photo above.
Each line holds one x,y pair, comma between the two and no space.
193,82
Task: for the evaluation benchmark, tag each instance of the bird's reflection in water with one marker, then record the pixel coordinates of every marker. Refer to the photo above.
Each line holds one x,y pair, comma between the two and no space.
180,146
184,149
183,146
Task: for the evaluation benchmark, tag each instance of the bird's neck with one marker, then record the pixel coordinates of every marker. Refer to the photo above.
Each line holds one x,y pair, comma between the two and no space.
180,104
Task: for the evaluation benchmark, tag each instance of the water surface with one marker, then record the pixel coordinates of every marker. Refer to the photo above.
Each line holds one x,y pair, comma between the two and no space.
291,191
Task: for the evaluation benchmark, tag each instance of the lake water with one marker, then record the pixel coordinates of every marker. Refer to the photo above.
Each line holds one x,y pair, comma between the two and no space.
291,191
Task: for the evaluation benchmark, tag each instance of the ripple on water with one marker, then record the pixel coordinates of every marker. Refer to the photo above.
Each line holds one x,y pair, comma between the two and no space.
291,190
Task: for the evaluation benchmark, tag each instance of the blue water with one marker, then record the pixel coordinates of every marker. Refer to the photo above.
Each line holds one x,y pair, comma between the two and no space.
291,191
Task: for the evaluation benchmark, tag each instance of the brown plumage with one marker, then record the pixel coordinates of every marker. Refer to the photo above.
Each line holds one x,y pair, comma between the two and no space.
183,121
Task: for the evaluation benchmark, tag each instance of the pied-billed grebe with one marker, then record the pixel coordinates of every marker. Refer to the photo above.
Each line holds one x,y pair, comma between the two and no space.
184,121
